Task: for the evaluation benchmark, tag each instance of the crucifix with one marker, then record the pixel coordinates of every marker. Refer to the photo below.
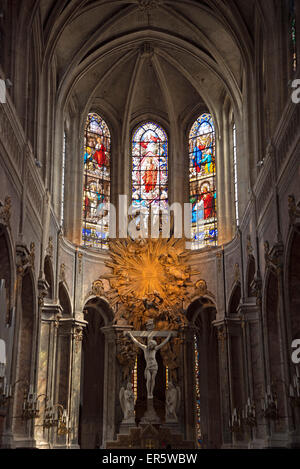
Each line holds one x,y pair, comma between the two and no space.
150,351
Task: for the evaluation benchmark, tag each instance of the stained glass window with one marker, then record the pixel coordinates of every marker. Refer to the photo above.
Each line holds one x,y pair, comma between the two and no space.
202,182
96,197
149,170
235,179
197,388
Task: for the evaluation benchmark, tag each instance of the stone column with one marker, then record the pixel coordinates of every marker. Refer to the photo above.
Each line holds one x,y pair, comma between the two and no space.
224,382
254,351
110,384
50,315
75,375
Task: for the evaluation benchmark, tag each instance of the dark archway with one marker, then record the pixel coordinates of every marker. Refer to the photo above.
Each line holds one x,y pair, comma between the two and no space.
202,313
25,357
92,376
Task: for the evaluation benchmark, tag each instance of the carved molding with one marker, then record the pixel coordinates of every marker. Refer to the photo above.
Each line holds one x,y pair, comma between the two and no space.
24,258
148,5
201,289
5,211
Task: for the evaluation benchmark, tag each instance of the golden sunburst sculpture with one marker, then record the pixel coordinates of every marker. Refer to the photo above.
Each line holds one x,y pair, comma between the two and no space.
149,280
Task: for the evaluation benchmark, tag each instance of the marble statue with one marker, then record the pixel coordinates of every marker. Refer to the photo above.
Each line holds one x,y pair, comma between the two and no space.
150,356
127,403
172,402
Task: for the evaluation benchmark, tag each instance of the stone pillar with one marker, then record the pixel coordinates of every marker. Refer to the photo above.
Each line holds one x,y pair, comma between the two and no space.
255,372
224,382
50,315
75,375
111,383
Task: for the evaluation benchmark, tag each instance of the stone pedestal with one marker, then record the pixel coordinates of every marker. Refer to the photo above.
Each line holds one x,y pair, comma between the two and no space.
150,416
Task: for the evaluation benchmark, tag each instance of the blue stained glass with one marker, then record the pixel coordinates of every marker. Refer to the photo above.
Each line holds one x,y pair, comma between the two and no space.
96,158
202,182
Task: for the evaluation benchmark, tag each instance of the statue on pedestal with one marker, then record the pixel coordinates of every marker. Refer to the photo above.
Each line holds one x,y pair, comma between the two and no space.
172,402
127,403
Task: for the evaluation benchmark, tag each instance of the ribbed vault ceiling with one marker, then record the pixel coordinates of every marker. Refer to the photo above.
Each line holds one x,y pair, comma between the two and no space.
161,55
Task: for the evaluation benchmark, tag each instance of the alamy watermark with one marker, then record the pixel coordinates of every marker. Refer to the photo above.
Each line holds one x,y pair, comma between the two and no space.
2,92
296,92
296,352
141,222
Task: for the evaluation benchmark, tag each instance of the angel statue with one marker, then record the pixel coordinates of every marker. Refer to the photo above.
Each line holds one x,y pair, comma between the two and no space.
172,402
127,403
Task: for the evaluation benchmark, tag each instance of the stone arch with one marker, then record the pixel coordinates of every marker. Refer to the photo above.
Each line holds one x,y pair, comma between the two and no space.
97,314
201,314
49,276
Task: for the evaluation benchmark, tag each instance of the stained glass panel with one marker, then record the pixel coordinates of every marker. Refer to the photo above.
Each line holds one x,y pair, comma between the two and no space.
202,182
149,169
96,197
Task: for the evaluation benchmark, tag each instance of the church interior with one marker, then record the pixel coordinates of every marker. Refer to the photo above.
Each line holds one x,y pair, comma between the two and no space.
149,224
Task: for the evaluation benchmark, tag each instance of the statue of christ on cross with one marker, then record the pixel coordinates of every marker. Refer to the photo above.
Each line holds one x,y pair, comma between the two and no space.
150,353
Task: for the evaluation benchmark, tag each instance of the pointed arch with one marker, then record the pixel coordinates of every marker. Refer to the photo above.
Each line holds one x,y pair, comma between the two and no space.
96,197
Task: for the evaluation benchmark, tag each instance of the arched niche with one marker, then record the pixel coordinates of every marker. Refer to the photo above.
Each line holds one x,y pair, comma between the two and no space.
201,314
97,314
49,277
251,267
25,354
